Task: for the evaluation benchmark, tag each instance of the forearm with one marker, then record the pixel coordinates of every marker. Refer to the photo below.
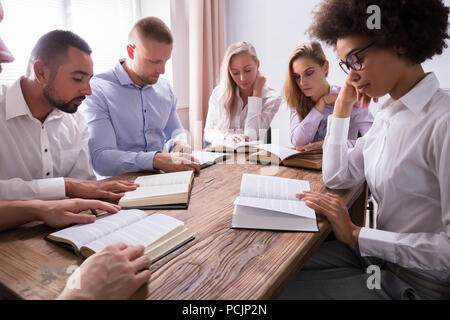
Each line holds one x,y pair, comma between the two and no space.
43,189
304,131
16,213
114,162
341,168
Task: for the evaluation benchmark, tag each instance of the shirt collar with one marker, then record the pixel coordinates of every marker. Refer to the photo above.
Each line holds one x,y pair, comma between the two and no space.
416,99
15,102
265,92
121,74
16,105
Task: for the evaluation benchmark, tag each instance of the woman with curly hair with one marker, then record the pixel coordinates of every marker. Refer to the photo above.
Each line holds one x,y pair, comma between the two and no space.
311,99
405,157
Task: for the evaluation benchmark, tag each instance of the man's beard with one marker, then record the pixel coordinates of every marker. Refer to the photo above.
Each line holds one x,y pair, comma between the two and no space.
68,107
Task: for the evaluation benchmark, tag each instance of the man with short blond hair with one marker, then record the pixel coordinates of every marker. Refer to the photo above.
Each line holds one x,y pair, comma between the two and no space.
132,113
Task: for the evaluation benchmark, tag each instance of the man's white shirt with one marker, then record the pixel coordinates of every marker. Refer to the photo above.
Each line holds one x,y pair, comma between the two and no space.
35,156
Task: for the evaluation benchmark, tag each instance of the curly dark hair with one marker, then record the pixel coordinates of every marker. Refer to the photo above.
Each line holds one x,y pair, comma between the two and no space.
418,26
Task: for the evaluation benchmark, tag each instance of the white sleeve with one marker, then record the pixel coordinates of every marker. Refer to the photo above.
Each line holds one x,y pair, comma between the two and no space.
212,131
260,115
426,251
82,168
342,167
42,189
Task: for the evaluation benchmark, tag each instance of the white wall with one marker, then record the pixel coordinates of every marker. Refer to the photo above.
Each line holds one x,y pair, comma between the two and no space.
275,28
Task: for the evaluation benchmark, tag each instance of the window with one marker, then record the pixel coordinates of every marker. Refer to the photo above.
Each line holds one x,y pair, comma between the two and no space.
104,24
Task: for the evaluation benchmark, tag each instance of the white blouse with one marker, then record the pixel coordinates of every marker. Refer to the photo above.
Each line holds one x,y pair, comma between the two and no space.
405,158
252,120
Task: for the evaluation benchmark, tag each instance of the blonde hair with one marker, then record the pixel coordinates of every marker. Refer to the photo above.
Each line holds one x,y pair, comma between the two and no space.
227,83
293,94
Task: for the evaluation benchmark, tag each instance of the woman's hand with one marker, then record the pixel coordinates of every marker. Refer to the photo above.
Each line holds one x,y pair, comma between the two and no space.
347,99
311,146
328,98
260,81
236,137
334,209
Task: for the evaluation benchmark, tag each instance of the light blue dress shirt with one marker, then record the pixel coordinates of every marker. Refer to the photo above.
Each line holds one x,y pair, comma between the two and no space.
129,124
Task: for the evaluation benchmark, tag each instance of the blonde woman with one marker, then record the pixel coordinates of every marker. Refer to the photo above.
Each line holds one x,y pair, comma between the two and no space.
242,106
311,99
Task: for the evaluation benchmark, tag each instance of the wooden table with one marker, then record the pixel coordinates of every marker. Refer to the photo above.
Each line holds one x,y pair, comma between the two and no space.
221,263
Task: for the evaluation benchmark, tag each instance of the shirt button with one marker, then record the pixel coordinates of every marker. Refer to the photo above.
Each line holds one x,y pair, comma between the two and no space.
45,150
42,127
48,173
145,111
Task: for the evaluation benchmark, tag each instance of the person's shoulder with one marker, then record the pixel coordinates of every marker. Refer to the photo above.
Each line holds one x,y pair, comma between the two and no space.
439,106
269,92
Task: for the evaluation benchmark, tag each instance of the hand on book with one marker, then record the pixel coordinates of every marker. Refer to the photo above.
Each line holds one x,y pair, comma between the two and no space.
334,209
61,213
311,146
175,161
114,273
236,137
180,146
76,188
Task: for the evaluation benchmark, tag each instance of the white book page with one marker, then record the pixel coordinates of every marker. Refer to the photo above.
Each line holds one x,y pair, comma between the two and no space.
154,191
293,207
143,232
207,157
165,179
268,187
254,218
279,151
82,234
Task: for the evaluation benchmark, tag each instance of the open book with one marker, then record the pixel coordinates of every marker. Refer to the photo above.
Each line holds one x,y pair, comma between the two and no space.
231,146
209,158
275,154
158,233
160,191
269,203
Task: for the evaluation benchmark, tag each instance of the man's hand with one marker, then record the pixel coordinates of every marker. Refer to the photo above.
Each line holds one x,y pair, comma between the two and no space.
180,146
175,161
312,146
87,189
334,209
61,213
114,273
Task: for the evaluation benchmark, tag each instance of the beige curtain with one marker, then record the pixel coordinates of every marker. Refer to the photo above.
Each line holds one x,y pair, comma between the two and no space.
206,50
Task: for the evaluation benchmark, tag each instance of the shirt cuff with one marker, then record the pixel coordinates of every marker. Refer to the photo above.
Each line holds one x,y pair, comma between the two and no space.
144,160
337,130
51,189
377,243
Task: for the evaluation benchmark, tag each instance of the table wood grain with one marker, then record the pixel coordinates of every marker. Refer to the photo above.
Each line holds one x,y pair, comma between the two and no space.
221,263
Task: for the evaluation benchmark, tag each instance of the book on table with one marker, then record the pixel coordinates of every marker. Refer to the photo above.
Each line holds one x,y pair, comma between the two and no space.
232,146
269,203
158,233
160,191
207,159
279,155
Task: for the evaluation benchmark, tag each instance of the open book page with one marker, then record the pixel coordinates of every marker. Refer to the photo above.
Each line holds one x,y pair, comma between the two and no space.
208,157
294,207
268,187
155,191
82,234
279,151
255,218
165,179
144,232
